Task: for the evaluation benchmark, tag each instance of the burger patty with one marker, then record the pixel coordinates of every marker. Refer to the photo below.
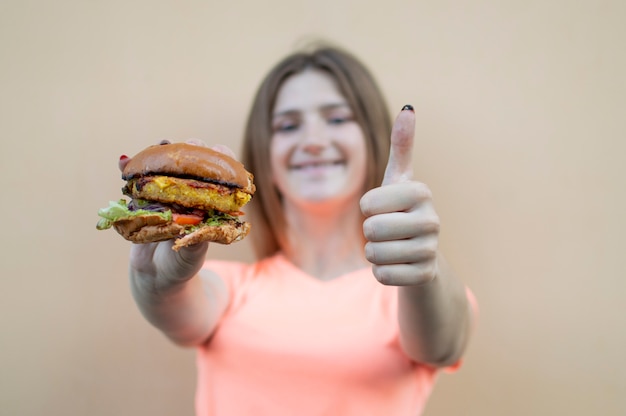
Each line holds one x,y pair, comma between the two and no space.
189,193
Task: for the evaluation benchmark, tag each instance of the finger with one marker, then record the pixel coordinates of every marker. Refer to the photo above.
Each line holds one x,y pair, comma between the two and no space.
123,162
405,274
218,147
400,226
400,164
196,142
182,264
141,256
394,197
224,149
414,250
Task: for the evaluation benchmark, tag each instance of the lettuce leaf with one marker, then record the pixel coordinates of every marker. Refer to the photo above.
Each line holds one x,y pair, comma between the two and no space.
118,210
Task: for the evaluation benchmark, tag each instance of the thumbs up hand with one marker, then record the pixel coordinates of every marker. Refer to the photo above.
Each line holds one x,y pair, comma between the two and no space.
401,225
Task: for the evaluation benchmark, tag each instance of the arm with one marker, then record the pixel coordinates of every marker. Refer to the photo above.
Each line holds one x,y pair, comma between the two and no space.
435,318
172,295
170,290
402,229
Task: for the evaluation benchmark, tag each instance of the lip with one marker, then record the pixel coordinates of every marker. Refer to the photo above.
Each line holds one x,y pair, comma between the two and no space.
311,164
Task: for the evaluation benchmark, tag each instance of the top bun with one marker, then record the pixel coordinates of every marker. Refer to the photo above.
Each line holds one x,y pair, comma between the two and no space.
188,160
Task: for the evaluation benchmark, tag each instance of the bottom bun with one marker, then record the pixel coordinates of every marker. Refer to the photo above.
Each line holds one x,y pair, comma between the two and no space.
225,233
153,228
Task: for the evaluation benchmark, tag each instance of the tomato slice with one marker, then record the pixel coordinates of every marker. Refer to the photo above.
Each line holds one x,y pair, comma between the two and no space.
186,219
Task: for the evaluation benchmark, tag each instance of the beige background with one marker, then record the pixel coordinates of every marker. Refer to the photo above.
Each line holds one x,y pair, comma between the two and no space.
521,135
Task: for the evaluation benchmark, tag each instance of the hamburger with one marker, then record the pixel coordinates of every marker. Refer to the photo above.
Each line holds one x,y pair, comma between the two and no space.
181,191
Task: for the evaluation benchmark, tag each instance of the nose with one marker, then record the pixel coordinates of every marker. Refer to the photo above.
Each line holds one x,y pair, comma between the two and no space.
315,137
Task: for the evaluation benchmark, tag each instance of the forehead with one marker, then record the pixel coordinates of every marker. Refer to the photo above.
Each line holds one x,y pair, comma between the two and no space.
308,89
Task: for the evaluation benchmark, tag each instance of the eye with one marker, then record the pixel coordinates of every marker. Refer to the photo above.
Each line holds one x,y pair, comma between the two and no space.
338,118
285,126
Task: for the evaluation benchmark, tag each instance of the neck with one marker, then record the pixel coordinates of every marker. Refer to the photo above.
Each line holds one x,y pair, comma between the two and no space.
326,243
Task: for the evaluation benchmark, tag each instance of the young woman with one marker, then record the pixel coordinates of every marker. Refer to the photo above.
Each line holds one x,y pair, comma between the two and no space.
350,308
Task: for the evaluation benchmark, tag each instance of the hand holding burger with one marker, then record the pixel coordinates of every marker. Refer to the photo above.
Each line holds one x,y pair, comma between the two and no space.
181,191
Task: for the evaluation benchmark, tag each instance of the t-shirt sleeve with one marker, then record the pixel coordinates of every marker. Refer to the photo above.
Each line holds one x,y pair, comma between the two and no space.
236,276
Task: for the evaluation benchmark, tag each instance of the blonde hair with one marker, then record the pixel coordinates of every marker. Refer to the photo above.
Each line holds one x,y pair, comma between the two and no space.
368,105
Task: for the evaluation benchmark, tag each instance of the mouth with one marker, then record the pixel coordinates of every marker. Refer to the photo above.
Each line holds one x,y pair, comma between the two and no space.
316,164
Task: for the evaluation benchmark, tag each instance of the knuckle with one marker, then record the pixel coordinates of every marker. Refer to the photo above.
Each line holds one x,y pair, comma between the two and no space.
434,221
425,192
429,225
421,249
428,253
423,254
420,191
417,274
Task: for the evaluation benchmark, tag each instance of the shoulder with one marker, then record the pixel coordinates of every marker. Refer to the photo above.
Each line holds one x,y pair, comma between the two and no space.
243,279
226,269
233,269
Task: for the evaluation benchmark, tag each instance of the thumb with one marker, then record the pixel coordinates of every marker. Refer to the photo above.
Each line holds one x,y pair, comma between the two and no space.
400,164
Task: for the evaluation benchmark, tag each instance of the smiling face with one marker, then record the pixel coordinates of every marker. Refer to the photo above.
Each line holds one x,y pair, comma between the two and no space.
318,152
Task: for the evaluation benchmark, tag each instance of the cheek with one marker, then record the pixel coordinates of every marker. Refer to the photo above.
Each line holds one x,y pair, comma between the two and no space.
278,148
361,174
358,150
278,154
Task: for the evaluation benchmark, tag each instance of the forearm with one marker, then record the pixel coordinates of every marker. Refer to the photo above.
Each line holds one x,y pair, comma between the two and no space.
179,311
173,294
435,318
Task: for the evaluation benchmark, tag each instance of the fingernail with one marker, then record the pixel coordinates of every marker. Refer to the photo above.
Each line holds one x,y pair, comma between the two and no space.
408,107
123,157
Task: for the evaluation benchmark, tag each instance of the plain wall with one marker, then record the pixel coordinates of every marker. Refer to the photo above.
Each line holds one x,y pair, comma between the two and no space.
521,109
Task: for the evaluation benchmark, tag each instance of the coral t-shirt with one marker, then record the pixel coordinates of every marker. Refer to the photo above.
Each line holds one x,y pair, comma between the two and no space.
290,344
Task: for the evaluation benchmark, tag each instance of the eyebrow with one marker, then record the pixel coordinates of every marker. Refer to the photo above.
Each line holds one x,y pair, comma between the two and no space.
326,107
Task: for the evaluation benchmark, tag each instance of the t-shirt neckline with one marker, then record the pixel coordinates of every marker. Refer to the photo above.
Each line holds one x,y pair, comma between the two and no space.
284,261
